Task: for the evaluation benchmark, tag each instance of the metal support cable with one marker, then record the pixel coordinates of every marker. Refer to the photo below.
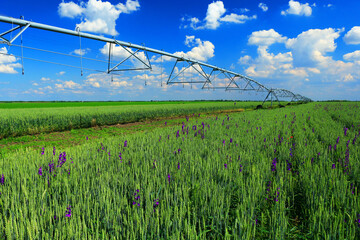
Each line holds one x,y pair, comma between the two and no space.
56,63
63,54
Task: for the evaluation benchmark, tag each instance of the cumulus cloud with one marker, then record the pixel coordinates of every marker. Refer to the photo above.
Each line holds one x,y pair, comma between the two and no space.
101,80
266,38
307,60
354,56
81,52
117,52
215,16
353,36
263,7
70,10
297,8
235,18
67,85
97,16
202,50
7,62
269,65
214,12
348,78
310,47
45,79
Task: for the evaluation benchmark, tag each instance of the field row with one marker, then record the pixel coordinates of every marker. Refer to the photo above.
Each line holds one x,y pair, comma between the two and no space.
27,121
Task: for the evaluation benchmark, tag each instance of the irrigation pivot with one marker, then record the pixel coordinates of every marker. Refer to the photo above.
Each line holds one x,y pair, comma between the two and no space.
208,72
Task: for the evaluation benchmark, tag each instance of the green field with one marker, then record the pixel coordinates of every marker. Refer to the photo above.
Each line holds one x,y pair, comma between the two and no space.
284,173
19,119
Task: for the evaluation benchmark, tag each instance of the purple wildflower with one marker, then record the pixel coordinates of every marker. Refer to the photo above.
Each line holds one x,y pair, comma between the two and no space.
177,134
178,165
68,211
169,178
225,165
40,171
54,150
231,140
333,166
273,167
42,151
125,143
240,170
165,123
2,180
156,204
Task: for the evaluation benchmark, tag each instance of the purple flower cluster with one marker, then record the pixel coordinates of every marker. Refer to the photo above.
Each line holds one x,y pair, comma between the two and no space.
169,178
288,165
156,204
68,211
2,179
136,197
273,165
62,159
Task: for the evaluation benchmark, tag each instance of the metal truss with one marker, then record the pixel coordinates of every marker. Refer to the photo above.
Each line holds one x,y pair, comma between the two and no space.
209,74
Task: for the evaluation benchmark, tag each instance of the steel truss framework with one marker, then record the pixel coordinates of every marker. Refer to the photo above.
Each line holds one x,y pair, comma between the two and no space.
208,73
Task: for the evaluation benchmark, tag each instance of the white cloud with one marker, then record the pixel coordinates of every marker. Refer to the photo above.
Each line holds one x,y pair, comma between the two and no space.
214,17
309,47
297,8
309,61
70,10
348,78
269,64
35,84
61,73
245,59
97,16
67,85
189,41
81,52
129,7
353,56
117,52
353,36
214,12
235,18
45,79
7,62
266,38
263,7
202,51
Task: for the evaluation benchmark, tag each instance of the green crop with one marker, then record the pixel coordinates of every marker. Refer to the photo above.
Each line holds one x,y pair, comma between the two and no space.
289,173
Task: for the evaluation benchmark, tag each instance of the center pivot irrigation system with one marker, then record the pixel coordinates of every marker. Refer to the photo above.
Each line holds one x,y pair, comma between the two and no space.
208,73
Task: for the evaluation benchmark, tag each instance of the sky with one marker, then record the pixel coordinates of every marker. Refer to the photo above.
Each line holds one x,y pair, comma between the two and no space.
311,48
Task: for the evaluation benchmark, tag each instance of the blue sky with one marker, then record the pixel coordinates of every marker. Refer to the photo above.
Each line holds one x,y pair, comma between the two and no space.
308,47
